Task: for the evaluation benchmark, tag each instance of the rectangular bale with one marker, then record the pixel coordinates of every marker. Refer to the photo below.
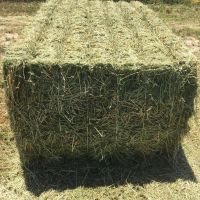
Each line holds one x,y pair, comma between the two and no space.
98,79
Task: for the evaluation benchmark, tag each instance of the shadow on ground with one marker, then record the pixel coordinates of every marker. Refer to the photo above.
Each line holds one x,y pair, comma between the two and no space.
74,173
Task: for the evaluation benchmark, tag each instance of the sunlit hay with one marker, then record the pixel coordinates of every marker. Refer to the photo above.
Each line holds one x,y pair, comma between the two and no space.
98,79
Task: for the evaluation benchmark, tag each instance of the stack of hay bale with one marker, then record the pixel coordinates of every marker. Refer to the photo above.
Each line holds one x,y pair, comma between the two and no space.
98,79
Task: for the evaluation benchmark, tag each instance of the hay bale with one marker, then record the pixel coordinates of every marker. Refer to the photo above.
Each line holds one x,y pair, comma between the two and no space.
101,79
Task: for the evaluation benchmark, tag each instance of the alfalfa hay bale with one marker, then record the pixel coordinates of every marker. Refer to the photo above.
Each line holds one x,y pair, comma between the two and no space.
101,79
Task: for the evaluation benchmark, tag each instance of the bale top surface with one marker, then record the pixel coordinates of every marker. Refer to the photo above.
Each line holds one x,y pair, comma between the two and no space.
85,32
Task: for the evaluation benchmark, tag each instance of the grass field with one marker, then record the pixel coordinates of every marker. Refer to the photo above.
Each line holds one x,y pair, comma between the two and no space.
141,180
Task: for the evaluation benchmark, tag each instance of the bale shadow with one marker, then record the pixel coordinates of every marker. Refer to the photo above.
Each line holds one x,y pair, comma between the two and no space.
70,174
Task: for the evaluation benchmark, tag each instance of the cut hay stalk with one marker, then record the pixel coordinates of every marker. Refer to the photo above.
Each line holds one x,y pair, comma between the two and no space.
101,79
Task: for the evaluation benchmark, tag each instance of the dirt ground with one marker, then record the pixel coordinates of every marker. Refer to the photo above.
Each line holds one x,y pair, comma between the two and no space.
145,180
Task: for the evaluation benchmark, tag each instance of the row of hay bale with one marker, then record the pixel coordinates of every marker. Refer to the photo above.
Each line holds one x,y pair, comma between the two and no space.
98,79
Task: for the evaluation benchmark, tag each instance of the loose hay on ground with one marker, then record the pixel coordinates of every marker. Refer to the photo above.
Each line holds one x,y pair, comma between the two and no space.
101,79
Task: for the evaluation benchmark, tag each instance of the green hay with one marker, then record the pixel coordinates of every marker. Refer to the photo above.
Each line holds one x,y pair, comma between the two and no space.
101,79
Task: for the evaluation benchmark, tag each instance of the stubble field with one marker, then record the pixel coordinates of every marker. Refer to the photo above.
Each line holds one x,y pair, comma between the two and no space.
146,180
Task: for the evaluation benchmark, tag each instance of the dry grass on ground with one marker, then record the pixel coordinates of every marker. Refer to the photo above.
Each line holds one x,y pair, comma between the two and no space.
79,180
